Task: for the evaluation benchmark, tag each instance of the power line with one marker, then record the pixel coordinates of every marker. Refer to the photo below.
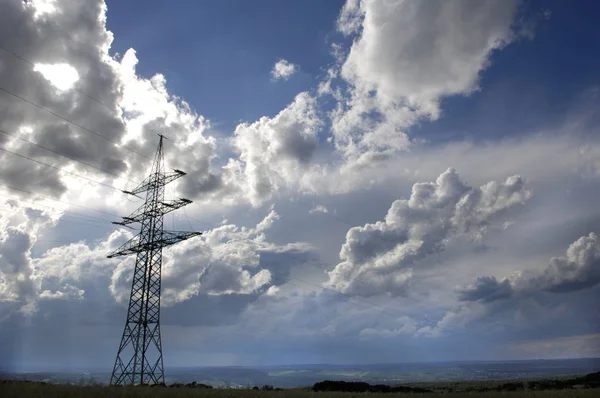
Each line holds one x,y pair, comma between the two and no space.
59,169
58,200
188,218
68,157
20,211
70,213
344,295
103,225
70,241
76,89
70,121
66,221
337,218
200,221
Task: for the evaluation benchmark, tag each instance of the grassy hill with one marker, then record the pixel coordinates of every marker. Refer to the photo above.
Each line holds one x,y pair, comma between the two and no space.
25,390
585,387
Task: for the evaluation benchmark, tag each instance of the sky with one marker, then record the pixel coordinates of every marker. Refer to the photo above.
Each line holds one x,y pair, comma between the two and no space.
376,181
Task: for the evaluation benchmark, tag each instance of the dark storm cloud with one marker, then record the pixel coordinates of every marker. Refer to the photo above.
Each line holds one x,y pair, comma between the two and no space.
280,263
67,140
74,34
486,289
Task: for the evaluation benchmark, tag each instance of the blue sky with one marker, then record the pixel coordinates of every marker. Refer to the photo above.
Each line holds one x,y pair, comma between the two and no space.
532,83
221,67
218,55
374,179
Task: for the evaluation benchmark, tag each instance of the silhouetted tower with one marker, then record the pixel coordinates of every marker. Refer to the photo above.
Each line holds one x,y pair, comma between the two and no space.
139,359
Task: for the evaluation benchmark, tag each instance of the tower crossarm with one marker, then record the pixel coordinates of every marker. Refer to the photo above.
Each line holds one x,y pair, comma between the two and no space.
153,182
163,208
134,245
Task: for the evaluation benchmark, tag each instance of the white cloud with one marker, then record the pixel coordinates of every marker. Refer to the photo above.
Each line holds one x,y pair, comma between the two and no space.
79,261
407,328
486,288
272,291
275,152
578,269
61,76
528,292
16,271
22,279
226,260
378,258
476,161
42,7
283,70
319,209
350,18
29,30
68,292
150,109
405,58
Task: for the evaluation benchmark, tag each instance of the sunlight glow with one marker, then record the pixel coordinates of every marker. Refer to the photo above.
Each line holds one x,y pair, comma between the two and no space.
61,76
42,7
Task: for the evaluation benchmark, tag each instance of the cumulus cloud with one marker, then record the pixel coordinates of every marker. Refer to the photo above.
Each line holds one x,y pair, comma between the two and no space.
79,261
22,280
149,109
61,76
133,109
101,113
283,70
69,292
104,95
59,64
405,57
578,269
407,326
485,289
226,260
378,258
275,152
398,58
529,292
16,270
319,209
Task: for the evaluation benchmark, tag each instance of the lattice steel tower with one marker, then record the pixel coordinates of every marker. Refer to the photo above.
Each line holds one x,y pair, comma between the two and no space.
139,359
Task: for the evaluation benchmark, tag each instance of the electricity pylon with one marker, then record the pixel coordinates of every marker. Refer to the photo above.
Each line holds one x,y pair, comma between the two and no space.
139,359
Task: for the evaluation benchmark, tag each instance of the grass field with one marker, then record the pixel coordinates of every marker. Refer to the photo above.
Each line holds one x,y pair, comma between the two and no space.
25,390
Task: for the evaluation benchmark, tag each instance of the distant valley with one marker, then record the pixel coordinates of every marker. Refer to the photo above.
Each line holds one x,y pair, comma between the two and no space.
307,375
